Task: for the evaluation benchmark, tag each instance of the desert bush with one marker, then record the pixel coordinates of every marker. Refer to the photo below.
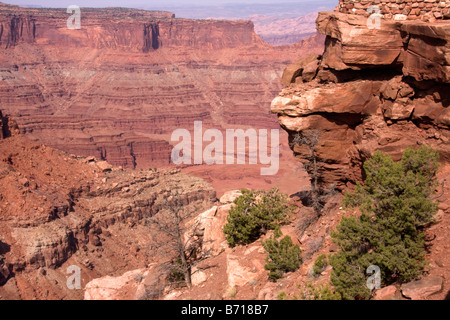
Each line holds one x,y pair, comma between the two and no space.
319,292
254,213
320,265
282,255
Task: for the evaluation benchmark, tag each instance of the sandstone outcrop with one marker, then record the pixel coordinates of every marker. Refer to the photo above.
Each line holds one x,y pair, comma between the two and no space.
141,284
375,89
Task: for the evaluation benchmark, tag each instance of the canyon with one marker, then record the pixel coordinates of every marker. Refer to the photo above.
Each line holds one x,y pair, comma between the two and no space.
86,118
282,31
117,88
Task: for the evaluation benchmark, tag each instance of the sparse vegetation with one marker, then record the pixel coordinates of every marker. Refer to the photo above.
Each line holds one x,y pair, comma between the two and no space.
178,239
255,213
396,205
176,274
282,255
319,194
312,292
319,292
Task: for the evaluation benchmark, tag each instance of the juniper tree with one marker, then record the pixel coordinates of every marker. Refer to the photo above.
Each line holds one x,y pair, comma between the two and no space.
396,205
320,265
282,255
255,213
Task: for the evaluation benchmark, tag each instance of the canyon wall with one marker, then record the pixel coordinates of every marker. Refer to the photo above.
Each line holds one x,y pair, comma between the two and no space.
372,89
412,10
117,88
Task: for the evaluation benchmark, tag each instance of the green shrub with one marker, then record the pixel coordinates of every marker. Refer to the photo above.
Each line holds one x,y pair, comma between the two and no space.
254,213
176,275
311,292
282,256
282,296
396,205
320,265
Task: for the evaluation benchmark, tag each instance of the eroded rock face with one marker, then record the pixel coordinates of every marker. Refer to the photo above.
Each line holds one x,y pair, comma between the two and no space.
348,34
3,127
141,284
58,210
375,89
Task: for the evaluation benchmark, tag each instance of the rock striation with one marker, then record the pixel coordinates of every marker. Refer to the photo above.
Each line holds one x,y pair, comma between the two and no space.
372,89
58,210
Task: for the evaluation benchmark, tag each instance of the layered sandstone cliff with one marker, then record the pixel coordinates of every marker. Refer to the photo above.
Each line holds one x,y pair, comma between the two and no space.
372,89
117,88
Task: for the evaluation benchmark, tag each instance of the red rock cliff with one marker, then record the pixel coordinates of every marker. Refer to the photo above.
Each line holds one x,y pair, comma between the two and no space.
373,89
114,28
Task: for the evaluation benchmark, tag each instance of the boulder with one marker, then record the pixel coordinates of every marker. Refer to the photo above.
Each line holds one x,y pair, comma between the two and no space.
386,293
209,225
422,289
104,166
214,239
114,288
398,110
241,272
230,196
198,277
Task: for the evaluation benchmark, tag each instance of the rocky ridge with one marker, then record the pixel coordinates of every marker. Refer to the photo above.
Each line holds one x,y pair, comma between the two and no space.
59,210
